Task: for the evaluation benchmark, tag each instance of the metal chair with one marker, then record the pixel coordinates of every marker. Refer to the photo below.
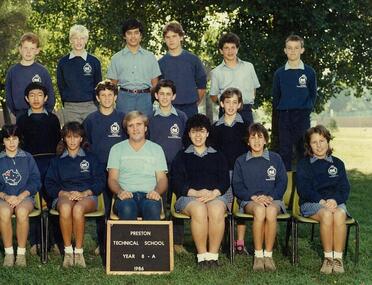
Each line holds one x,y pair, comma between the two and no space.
298,218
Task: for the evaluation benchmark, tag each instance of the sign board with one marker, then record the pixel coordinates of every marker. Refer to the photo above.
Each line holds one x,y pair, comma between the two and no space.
139,247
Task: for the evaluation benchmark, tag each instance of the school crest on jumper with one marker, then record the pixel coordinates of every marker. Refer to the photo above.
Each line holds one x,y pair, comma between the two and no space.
271,173
302,81
12,177
84,166
87,68
114,130
36,78
332,171
174,132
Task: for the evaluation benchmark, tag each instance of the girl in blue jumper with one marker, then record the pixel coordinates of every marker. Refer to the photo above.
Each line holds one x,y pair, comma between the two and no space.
74,180
19,182
259,183
200,177
323,188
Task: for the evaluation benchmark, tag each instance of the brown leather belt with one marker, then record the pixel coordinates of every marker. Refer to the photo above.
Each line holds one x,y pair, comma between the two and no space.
135,91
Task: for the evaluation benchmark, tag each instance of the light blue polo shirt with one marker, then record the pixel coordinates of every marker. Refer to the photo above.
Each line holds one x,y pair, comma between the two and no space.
242,76
133,70
137,168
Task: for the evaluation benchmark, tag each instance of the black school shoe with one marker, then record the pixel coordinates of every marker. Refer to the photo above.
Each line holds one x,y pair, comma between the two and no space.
203,265
213,264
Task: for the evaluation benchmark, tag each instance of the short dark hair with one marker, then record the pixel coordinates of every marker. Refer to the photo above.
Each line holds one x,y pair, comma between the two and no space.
257,128
34,86
295,38
230,38
320,130
230,92
198,122
174,27
106,84
165,83
10,130
132,24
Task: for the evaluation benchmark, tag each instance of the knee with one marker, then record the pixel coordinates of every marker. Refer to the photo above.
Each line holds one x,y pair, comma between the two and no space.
259,213
65,210
339,217
78,211
126,209
326,217
199,213
151,210
5,213
271,213
22,214
216,213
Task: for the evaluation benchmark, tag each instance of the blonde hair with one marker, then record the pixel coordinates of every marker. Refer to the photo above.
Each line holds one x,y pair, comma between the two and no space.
133,115
79,29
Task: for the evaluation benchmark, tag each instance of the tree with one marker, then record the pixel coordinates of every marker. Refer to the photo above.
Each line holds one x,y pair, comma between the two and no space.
13,21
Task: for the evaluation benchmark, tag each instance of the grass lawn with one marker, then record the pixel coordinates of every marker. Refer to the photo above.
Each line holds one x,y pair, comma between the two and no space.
351,145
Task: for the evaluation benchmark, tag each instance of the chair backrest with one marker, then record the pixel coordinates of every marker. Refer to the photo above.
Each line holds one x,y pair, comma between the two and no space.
295,204
289,192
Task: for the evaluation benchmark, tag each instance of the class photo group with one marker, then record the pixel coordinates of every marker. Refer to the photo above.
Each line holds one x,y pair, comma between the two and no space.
134,138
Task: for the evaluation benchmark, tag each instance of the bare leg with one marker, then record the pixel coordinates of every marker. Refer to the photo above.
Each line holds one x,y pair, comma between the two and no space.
216,224
6,224
199,224
21,212
86,205
339,230
64,207
270,226
241,228
258,211
325,218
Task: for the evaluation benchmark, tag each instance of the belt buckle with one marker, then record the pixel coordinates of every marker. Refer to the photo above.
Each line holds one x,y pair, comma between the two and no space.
135,91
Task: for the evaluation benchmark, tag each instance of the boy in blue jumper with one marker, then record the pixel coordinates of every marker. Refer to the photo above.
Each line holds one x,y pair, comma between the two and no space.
25,72
323,188
78,73
184,69
166,128
103,130
19,182
294,95
41,133
229,136
259,183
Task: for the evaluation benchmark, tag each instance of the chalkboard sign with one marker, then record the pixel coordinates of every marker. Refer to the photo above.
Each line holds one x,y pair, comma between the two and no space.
139,247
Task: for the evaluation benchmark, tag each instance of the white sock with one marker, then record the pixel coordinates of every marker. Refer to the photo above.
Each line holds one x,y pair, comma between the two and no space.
21,250
201,256
68,249
258,253
337,254
211,256
268,253
79,250
328,254
9,250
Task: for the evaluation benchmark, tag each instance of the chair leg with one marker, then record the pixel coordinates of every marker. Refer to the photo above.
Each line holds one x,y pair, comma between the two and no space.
295,242
312,232
357,242
287,235
347,239
231,238
42,240
46,236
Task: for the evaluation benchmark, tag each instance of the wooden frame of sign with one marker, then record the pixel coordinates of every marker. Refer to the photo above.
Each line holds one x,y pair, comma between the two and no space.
139,247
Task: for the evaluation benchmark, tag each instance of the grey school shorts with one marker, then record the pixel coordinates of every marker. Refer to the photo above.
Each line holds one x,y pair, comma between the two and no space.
183,201
55,201
279,203
309,209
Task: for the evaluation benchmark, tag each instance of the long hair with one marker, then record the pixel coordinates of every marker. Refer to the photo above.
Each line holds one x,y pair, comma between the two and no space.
320,130
71,128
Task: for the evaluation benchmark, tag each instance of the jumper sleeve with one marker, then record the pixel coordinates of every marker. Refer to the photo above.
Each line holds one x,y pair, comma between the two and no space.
179,178
8,92
61,81
280,181
223,177
98,176
343,188
304,181
239,188
51,97
313,88
276,90
53,183
200,75
34,182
